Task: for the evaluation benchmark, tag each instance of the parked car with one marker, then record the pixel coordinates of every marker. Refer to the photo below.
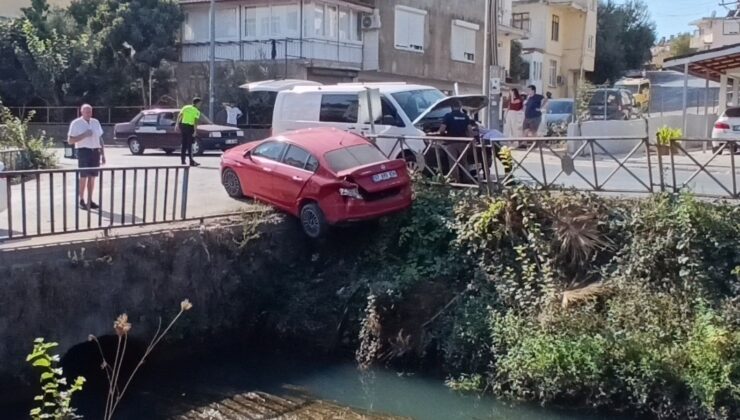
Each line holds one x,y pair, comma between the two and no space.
639,87
407,110
727,127
559,113
323,176
155,129
612,104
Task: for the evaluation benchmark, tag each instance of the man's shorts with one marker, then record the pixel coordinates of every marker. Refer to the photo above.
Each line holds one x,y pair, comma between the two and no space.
532,124
88,158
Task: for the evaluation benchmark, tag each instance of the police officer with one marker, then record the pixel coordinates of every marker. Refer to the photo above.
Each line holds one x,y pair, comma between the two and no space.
456,123
187,121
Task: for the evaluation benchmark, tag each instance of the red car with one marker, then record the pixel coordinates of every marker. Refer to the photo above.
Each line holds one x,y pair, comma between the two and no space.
324,176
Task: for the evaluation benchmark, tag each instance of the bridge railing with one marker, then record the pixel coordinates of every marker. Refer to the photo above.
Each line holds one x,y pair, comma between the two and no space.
65,114
46,202
628,165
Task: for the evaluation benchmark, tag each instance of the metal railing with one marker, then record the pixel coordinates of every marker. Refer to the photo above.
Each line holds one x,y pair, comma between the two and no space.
280,49
12,158
627,165
46,202
65,114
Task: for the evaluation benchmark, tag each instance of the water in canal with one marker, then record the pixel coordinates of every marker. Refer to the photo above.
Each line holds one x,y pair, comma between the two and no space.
205,380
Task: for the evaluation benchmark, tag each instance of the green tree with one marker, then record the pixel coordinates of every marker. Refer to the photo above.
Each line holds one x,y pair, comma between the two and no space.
625,32
519,67
681,45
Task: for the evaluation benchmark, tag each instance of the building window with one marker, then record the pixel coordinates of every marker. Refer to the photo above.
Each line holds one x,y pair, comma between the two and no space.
536,71
555,36
591,42
227,23
521,20
356,26
318,19
340,108
195,25
463,42
410,26
271,21
553,79
332,22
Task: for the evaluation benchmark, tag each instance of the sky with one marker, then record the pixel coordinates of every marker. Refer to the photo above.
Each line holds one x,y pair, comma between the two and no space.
673,16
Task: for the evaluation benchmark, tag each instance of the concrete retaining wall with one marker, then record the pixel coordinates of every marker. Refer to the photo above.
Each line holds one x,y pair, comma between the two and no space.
697,126
63,293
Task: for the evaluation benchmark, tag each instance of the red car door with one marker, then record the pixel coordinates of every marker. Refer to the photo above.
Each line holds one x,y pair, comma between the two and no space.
291,175
258,176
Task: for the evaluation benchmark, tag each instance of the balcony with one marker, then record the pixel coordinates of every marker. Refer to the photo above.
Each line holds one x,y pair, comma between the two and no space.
346,54
582,5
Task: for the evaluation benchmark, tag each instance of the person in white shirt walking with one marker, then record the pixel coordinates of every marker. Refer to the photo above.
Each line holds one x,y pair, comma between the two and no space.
87,136
233,114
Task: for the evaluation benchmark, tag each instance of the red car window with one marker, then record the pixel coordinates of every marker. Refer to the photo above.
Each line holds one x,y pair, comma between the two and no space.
352,157
296,157
271,150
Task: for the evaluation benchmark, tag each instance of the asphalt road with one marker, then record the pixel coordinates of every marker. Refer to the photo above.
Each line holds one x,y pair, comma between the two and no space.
145,197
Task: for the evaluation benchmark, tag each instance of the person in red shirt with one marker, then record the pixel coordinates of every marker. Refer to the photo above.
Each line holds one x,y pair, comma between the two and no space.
514,120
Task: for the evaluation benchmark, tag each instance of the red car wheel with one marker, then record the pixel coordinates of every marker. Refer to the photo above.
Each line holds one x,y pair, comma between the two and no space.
230,181
313,221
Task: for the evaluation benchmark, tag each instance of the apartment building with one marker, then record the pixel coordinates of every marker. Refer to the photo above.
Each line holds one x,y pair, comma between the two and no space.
714,32
435,42
562,42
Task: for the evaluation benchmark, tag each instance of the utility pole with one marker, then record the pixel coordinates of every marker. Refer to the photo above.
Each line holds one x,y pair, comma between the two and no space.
486,67
212,60
495,72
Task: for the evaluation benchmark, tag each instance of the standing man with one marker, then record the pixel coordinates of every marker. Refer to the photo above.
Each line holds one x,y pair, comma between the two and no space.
233,114
87,135
456,123
533,111
187,121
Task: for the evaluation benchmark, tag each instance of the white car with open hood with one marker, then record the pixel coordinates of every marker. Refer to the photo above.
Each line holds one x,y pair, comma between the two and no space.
405,110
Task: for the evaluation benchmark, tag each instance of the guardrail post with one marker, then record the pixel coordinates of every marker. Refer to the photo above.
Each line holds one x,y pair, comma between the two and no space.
184,199
646,140
660,168
593,163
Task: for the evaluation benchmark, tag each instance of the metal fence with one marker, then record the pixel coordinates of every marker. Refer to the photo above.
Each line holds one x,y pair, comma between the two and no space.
46,202
626,165
65,114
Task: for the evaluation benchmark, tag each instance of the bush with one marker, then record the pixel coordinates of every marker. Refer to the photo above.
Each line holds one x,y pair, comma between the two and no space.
35,150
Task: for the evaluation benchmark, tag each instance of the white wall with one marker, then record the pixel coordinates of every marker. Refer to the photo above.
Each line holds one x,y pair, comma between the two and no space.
697,127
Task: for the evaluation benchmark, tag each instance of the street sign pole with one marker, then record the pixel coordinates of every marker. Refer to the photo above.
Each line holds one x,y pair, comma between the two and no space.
495,72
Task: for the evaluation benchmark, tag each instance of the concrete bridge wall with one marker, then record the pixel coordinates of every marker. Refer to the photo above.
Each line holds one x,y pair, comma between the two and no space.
63,293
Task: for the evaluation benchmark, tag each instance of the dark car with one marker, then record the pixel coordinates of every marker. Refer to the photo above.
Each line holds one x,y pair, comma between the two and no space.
611,104
155,129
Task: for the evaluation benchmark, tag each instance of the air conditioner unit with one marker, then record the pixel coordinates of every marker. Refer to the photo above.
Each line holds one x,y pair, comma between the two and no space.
560,80
371,20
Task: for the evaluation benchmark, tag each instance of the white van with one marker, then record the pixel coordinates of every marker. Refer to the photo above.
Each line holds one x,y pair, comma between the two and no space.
407,110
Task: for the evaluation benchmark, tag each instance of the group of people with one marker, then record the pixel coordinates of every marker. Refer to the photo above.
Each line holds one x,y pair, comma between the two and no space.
524,114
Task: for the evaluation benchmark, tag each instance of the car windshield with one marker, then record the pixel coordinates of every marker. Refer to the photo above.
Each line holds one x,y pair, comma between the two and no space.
560,107
631,88
599,95
414,102
351,157
733,112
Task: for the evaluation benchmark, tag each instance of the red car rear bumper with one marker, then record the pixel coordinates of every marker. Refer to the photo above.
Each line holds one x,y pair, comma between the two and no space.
346,210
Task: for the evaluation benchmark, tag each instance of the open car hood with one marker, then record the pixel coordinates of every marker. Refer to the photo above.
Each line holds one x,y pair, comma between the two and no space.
435,113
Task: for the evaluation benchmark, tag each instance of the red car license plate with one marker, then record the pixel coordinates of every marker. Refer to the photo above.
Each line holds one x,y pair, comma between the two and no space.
384,176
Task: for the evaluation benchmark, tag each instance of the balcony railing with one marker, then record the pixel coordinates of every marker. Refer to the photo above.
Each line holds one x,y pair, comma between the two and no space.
580,4
277,49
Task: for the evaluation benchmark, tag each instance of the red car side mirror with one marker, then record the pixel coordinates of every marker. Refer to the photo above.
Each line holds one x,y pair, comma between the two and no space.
248,154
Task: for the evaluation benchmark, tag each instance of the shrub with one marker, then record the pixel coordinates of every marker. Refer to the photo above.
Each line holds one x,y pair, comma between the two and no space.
36,150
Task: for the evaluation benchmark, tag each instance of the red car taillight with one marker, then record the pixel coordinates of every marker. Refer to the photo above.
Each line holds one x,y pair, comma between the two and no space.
348,189
722,126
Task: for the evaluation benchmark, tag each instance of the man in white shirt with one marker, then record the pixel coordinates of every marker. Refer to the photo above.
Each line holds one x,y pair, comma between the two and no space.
232,114
87,136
